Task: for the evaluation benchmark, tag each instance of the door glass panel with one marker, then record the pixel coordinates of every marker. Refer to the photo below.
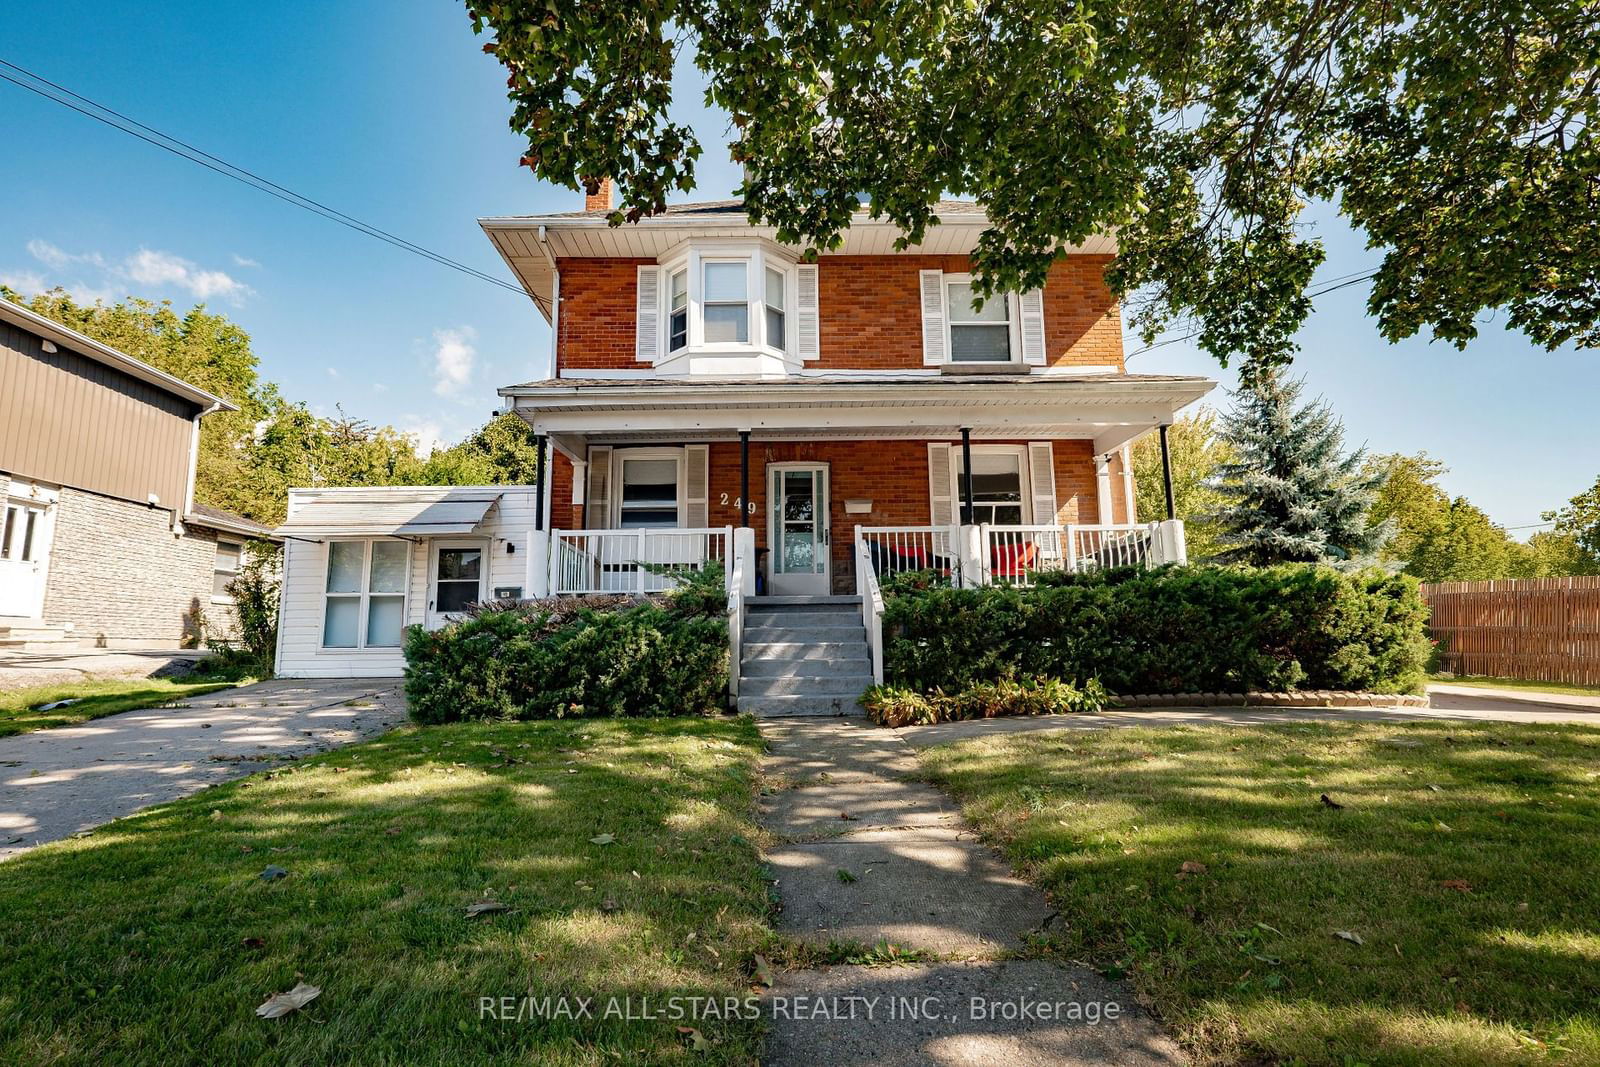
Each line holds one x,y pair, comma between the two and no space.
457,586
798,497
799,550
340,622
389,566
27,537
799,539
344,566
384,621
5,535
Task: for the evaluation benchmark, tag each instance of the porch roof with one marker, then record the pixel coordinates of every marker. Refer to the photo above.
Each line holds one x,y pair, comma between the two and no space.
390,511
1109,409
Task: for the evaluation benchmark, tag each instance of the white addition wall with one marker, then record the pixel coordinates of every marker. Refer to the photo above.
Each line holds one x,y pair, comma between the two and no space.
300,651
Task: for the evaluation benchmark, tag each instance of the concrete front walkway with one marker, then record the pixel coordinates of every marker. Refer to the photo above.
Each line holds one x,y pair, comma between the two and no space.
54,783
865,855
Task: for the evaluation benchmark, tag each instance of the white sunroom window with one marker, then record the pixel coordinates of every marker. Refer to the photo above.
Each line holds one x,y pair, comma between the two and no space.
365,594
978,336
727,302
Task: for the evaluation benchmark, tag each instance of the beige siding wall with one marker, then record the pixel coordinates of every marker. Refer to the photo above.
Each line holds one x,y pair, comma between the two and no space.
71,420
122,577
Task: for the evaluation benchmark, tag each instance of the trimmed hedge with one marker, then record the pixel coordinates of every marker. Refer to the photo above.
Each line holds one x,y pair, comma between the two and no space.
1167,630
530,663
892,706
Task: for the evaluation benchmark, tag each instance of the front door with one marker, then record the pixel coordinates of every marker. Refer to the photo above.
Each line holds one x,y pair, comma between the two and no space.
25,529
797,529
456,579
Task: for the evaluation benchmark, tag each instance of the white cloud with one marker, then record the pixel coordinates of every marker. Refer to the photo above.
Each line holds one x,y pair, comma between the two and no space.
57,258
333,372
244,261
426,435
453,359
163,268
26,282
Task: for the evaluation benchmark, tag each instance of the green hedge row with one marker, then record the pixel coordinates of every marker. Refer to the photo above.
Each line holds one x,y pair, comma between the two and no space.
642,660
1167,630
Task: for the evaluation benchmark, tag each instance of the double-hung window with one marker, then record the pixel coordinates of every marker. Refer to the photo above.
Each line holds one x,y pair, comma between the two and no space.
678,310
727,302
365,594
978,335
225,569
649,496
776,283
996,486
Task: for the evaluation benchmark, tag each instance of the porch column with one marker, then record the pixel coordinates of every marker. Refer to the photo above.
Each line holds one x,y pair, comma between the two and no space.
1127,483
966,476
744,478
1102,485
539,449
1166,473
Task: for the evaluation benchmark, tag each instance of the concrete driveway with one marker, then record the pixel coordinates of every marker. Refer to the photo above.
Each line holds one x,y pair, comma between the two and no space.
54,783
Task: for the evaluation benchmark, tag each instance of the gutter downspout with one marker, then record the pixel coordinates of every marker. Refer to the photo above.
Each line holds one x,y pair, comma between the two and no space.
194,464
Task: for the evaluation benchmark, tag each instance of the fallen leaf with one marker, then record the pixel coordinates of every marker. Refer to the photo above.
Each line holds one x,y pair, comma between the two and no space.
1461,885
763,970
273,873
697,1040
1334,804
845,815
609,905
1192,867
1273,929
216,813
392,830
1350,936
485,907
1441,826
602,839
281,1004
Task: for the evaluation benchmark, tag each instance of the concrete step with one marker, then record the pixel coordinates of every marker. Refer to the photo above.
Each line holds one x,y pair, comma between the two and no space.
847,685
796,667
792,651
847,619
783,706
758,603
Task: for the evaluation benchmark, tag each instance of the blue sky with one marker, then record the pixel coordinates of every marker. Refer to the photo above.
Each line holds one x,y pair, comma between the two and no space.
391,112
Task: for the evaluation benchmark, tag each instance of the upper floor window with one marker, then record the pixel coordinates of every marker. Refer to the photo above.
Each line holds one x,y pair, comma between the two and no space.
978,335
727,306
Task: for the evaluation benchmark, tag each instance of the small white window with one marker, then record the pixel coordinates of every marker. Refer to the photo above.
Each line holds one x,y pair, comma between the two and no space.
226,569
678,320
775,308
9,533
727,302
978,336
649,497
365,594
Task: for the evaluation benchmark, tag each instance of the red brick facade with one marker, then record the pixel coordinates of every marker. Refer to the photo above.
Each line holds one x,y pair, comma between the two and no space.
871,312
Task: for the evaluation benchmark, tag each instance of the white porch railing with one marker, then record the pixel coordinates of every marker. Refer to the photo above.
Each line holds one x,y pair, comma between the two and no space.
871,604
902,549
741,583
631,561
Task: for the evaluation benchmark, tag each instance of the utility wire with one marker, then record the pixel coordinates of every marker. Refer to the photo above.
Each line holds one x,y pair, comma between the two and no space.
60,94
1332,284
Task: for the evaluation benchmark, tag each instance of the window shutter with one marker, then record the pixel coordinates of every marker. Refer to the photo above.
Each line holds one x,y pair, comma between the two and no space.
1042,482
933,340
941,495
807,318
597,513
695,482
1032,308
647,339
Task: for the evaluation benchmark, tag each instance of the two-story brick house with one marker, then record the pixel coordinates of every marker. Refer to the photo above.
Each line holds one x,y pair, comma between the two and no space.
808,424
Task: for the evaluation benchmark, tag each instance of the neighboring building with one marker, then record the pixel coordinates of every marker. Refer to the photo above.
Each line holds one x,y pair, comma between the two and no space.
101,543
809,425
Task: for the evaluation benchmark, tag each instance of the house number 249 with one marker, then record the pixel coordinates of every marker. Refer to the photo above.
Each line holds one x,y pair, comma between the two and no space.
725,502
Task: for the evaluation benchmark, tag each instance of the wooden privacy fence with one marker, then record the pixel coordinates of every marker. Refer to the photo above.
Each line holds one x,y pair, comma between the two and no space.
1541,629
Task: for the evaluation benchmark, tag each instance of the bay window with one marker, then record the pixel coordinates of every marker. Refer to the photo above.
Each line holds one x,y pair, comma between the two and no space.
364,594
726,301
678,310
776,284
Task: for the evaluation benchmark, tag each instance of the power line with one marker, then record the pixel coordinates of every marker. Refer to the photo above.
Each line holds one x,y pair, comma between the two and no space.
1332,284
60,94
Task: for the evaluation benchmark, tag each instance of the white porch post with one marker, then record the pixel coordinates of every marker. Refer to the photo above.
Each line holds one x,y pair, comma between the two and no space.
1173,544
1127,483
537,582
971,554
1102,485
744,550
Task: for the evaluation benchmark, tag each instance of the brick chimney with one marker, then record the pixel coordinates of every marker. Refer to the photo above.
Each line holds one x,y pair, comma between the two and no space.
597,194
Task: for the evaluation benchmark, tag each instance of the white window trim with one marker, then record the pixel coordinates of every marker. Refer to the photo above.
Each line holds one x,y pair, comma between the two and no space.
757,257
1013,326
618,455
223,598
1024,482
364,597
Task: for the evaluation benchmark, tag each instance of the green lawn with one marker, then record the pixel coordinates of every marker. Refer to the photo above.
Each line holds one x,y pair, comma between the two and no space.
96,699
1466,859
1486,682
154,939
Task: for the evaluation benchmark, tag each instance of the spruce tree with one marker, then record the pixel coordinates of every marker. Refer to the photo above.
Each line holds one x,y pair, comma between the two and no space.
1291,493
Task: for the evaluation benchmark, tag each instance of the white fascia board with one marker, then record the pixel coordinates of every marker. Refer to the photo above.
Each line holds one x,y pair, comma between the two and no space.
1081,421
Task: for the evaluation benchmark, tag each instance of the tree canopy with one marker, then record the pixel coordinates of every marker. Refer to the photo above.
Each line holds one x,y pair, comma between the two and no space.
1457,134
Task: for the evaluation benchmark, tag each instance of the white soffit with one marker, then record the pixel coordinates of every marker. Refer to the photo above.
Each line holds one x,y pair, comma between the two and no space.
389,515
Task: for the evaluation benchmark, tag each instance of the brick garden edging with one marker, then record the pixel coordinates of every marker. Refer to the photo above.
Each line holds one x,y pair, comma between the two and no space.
1308,698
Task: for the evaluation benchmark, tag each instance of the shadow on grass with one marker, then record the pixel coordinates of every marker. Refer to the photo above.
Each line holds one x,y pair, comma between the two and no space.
155,938
1462,855
20,714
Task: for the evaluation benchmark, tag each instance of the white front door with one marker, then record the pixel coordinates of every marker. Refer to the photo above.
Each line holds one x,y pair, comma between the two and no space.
456,577
797,529
25,532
